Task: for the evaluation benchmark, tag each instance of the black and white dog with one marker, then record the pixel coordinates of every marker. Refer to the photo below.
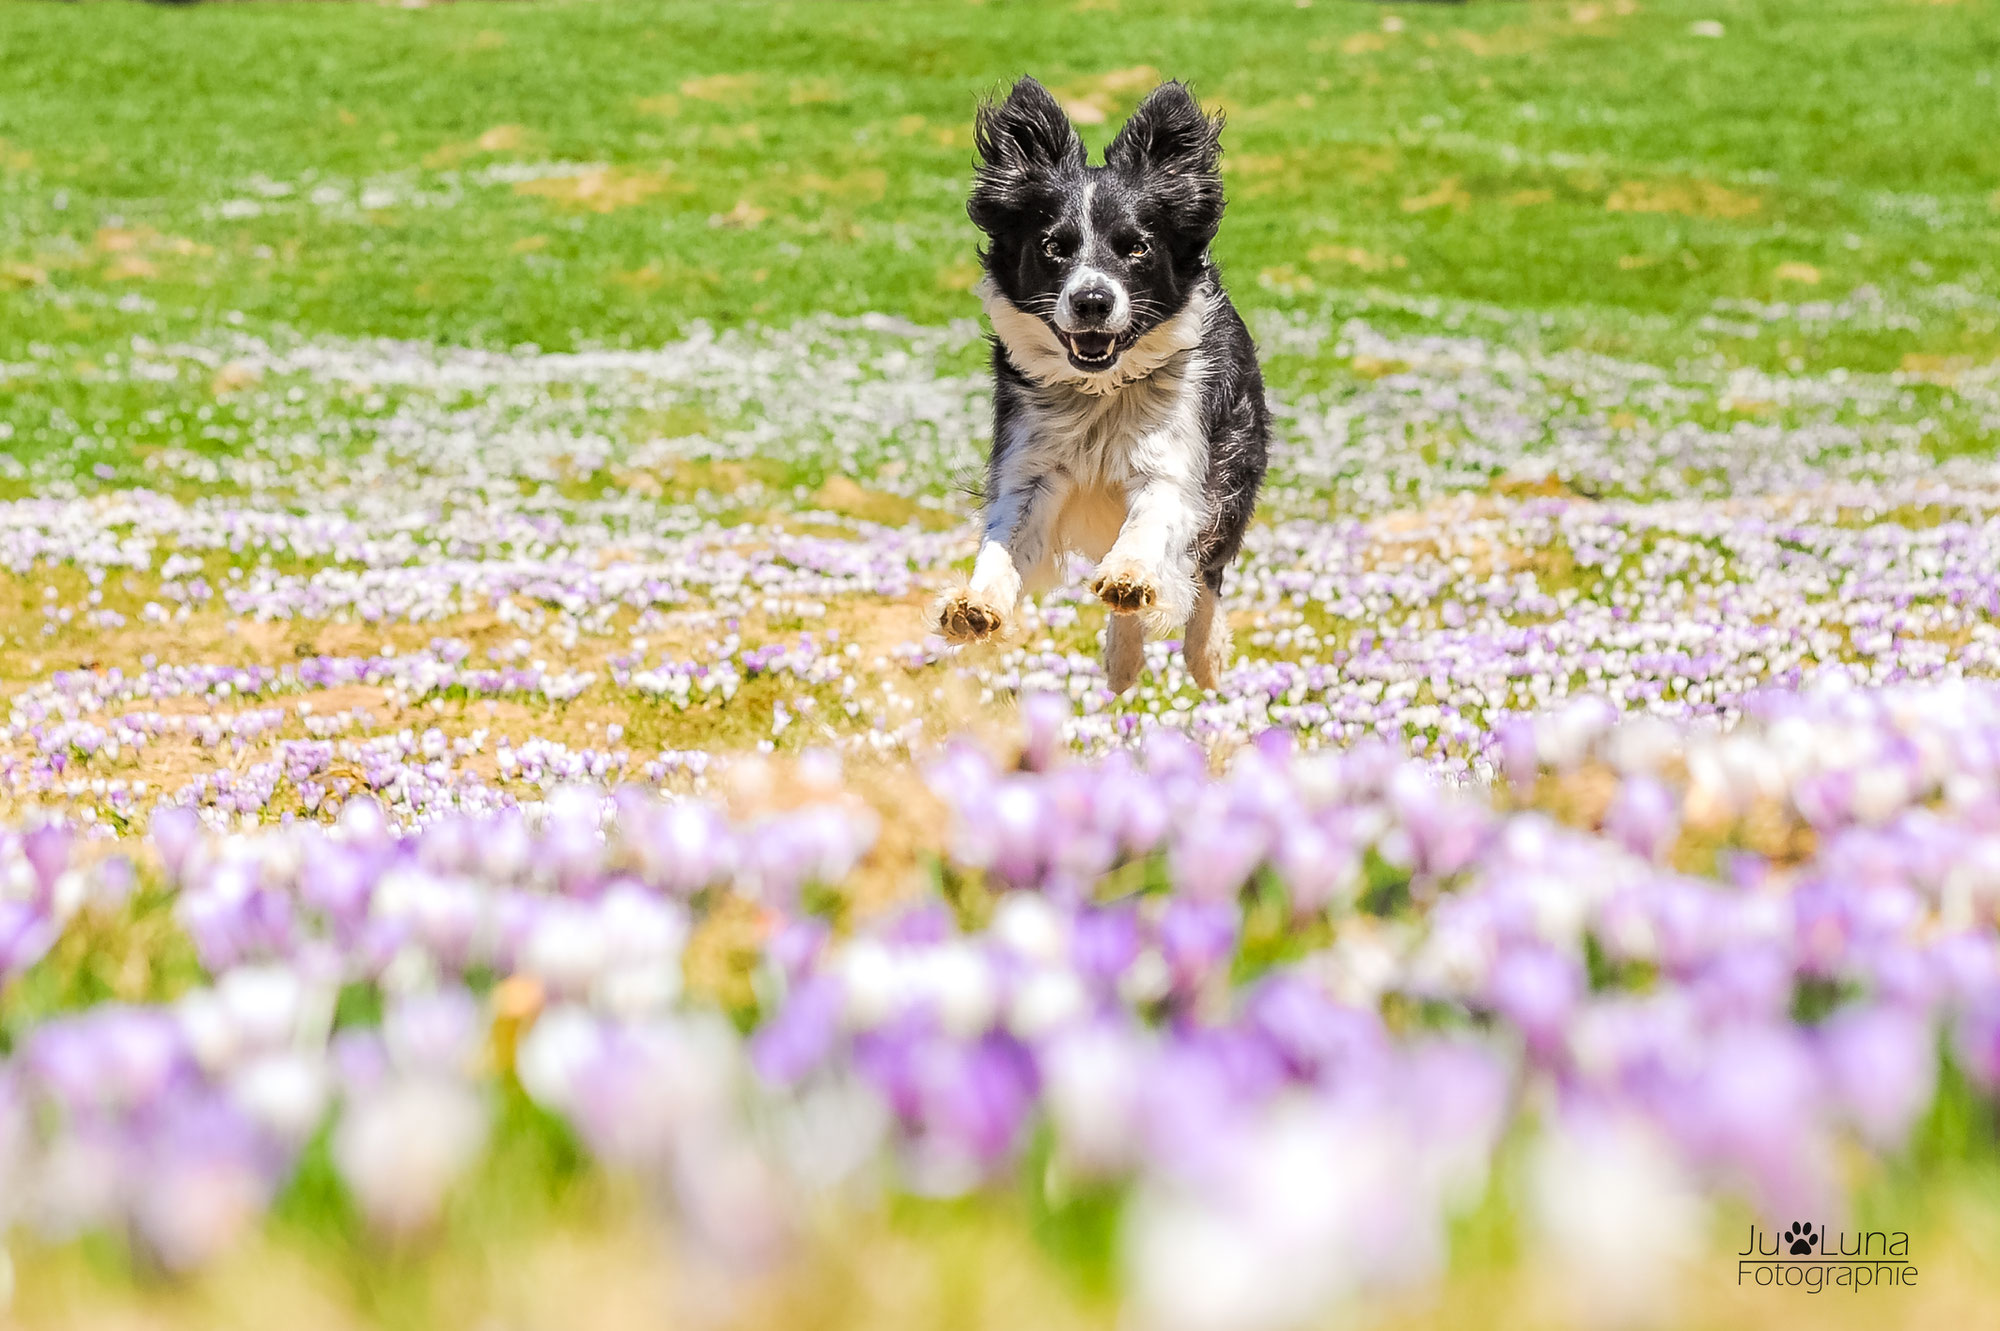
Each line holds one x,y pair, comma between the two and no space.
1129,417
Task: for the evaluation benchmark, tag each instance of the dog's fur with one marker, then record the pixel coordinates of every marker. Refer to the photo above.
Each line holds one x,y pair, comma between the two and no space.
1129,417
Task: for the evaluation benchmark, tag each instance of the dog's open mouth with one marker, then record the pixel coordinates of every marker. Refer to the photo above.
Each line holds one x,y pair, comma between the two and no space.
1090,351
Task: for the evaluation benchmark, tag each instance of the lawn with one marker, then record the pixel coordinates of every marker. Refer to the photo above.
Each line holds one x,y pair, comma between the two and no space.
486,836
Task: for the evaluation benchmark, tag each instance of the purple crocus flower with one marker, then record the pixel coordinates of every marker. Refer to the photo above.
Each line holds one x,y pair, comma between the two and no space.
1195,937
1104,941
176,834
442,1032
47,850
799,1038
112,1059
26,935
1212,859
1881,1063
1320,870
1644,816
1317,1038
204,1175
973,1102
1535,989
1042,718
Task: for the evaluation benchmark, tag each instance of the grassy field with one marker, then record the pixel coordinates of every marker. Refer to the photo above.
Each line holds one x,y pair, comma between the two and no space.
457,405
372,173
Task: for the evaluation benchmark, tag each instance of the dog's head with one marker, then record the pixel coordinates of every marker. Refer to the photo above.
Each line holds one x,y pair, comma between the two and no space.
1100,255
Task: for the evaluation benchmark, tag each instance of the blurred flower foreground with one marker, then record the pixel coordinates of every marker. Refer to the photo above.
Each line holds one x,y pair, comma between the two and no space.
1287,1024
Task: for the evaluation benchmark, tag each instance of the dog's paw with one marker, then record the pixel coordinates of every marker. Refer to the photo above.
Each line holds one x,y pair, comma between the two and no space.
1128,588
966,616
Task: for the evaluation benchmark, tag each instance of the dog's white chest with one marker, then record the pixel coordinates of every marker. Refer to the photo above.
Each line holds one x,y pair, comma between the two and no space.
1101,446
1090,520
1107,439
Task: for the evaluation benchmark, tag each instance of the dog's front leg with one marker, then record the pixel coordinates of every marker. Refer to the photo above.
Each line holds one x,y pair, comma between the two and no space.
1149,570
1016,542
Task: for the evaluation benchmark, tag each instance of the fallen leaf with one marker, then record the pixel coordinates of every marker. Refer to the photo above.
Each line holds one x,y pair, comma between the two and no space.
1286,280
234,378
1089,101
1355,257
744,216
1254,164
1448,194
720,87
127,266
958,276
812,92
601,190
869,185
642,279
1692,198
1941,370
500,138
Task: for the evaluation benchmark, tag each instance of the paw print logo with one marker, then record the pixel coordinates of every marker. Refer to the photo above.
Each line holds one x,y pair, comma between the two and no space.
1801,1238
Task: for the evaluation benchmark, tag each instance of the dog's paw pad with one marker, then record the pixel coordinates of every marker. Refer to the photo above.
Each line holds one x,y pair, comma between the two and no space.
966,617
1127,591
1801,1238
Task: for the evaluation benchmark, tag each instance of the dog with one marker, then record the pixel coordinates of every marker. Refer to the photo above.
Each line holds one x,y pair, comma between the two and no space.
1129,421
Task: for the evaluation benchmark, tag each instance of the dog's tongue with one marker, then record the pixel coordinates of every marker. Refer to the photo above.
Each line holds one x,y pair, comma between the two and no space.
1091,346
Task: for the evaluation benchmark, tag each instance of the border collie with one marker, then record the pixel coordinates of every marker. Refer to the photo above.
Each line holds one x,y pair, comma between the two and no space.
1129,417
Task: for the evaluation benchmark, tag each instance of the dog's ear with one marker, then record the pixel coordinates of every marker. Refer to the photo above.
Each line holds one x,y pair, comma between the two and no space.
1169,133
1026,131
1020,139
1177,147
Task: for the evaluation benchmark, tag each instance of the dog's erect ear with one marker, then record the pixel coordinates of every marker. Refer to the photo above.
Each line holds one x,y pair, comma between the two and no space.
1022,142
1169,133
1177,147
1027,131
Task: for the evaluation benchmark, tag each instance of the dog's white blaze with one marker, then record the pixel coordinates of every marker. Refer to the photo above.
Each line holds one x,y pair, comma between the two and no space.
1086,277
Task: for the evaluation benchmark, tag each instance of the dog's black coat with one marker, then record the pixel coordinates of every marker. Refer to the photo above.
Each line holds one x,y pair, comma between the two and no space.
1145,219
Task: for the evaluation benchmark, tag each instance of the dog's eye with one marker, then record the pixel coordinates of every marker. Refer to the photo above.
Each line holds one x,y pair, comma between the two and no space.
1138,250
1052,246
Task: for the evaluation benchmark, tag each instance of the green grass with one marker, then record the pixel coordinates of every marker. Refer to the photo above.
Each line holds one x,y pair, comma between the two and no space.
1469,156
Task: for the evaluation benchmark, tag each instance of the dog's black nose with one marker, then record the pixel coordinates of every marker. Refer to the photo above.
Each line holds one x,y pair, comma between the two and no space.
1092,304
